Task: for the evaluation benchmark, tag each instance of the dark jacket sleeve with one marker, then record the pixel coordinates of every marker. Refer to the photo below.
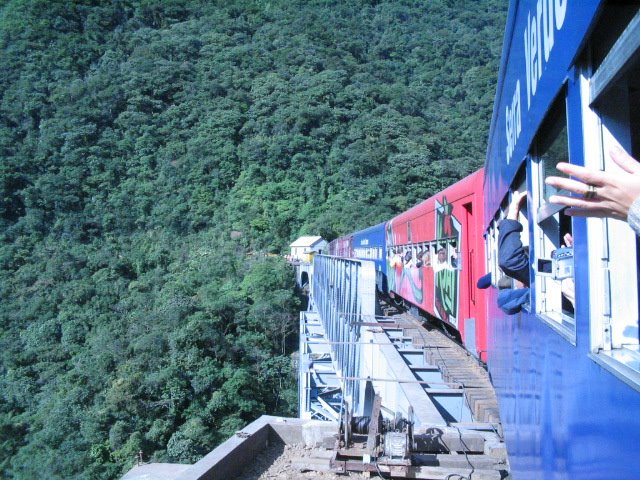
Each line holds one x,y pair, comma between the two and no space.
512,256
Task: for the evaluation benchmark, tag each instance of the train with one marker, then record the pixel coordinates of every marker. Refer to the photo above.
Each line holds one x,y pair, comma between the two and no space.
426,259
566,369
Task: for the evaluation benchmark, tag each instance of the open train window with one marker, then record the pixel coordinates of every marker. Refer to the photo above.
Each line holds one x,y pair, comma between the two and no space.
520,185
492,234
491,249
491,243
553,232
611,87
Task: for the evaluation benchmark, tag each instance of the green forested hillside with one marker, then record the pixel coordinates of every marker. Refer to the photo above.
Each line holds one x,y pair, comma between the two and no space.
154,154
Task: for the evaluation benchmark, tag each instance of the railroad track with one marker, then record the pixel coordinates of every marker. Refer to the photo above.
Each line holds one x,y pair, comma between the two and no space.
459,370
457,366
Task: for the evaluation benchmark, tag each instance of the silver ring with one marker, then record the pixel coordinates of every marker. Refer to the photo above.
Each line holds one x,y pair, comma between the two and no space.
591,192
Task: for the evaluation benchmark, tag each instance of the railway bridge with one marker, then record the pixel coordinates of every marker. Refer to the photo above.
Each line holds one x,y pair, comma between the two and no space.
363,359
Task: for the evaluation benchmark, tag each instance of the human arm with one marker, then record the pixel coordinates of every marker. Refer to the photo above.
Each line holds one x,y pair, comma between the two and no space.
512,257
514,206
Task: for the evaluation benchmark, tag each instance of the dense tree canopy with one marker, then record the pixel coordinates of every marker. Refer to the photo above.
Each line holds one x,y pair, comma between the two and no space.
154,155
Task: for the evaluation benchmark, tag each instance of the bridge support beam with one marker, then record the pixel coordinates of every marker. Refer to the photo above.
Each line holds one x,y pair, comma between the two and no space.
343,345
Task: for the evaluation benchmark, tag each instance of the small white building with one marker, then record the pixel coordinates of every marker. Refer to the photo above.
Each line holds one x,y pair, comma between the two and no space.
304,248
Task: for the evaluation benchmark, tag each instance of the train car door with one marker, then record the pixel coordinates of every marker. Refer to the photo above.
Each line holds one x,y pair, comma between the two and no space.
468,302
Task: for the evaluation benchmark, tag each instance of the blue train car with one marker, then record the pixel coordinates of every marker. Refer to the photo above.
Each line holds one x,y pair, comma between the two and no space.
567,367
370,244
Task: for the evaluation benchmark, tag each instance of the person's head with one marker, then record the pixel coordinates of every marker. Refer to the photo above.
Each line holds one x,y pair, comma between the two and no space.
442,255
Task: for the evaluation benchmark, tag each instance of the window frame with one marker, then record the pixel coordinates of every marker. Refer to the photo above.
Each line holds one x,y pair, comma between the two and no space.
613,247
548,301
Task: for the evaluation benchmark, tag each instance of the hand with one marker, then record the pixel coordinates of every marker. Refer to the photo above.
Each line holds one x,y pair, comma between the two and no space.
514,206
568,240
614,192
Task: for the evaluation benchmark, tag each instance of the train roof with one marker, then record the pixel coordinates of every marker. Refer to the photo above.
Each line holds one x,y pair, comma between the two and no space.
369,230
465,187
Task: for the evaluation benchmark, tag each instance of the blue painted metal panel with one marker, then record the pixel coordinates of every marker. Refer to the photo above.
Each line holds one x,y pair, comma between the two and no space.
563,416
533,69
370,244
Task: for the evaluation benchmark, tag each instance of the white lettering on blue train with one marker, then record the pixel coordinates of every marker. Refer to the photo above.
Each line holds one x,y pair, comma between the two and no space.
539,39
513,122
370,253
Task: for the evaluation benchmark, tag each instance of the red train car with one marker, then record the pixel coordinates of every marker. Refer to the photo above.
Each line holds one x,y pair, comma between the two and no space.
435,253
341,246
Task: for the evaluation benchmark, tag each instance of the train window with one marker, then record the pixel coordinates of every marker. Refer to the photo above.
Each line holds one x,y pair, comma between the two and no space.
520,185
431,255
612,118
553,240
495,272
493,246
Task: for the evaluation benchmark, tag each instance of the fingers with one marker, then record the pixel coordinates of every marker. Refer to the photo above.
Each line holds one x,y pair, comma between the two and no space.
568,239
602,193
592,212
514,206
594,177
624,160
517,197
582,207
563,183
571,201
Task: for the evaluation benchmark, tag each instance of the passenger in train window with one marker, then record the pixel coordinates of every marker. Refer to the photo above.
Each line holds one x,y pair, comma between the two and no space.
453,258
513,257
416,261
441,260
407,258
397,258
391,257
604,194
426,257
